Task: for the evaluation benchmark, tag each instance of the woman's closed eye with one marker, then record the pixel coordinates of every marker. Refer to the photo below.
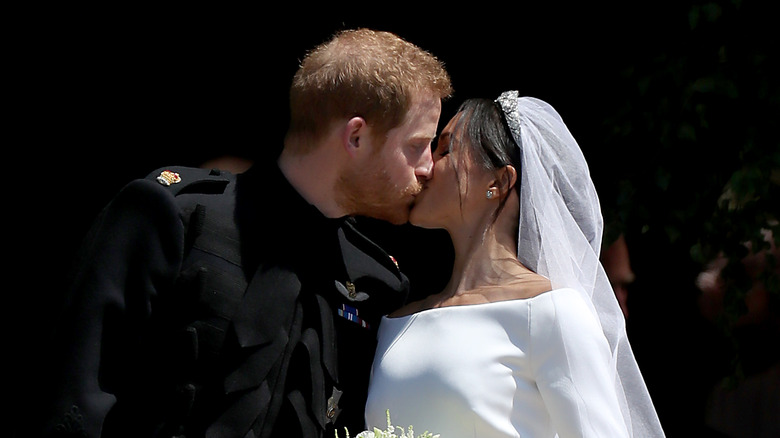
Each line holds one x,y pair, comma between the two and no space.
442,146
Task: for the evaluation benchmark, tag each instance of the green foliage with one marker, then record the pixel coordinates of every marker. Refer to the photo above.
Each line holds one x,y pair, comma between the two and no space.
696,134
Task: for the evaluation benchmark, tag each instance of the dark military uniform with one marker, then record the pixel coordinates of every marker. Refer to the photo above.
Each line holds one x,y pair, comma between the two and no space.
221,305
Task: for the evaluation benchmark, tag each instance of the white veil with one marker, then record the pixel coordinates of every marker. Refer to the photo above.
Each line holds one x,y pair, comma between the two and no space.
560,237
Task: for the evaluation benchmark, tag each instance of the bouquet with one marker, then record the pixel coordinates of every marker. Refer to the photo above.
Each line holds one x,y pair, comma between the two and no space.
390,432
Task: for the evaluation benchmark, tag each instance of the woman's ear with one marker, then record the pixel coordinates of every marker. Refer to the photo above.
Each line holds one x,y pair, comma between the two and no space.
505,180
354,129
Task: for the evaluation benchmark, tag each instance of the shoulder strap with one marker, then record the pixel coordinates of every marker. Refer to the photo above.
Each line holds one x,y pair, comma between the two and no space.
182,180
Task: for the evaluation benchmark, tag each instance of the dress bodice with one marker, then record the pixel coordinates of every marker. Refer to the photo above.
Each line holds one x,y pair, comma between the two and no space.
533,367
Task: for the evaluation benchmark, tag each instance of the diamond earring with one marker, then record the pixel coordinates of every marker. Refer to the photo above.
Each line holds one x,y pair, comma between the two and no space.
489,194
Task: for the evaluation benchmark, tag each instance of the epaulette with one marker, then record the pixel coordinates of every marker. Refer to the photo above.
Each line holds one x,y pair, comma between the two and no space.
181,179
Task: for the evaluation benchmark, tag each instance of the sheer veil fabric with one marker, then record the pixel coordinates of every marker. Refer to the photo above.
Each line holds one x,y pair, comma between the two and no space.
560,237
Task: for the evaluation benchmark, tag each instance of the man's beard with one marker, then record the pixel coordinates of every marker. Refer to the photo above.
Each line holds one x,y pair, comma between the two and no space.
371,193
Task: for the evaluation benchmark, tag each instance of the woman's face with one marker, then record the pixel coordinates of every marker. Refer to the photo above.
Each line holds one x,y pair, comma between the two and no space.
454,187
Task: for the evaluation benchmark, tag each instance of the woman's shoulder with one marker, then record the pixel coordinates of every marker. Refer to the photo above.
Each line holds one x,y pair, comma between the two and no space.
524,288
565,304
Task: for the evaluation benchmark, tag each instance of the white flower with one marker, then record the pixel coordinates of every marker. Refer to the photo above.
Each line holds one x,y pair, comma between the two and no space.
390,432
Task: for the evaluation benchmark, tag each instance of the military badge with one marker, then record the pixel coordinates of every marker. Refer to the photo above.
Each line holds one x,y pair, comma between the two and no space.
333,405
351,314
348,290
167,178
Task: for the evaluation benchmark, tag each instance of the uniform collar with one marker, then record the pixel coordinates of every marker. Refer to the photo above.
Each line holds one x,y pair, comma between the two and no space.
275,191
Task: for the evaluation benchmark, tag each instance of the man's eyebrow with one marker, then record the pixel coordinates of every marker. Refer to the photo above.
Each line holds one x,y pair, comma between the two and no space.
423,136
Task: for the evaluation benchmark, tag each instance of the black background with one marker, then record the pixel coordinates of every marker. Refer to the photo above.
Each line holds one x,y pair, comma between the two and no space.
105,94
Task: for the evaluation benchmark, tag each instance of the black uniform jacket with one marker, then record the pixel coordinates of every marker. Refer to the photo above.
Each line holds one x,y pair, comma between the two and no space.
219,305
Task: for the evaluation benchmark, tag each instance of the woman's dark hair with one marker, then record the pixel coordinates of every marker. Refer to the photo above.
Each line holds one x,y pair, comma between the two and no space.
483,130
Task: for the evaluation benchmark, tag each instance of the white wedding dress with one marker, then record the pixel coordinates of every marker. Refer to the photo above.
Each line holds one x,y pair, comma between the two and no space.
534,367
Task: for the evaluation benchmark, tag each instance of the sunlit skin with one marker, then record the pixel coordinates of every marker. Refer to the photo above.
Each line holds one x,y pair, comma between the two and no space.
383,179
486,268
350,172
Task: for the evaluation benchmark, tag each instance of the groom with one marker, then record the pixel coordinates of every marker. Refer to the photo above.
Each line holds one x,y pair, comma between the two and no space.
212,304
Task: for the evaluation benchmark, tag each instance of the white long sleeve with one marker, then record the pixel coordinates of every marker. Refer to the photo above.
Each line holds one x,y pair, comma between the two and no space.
570,358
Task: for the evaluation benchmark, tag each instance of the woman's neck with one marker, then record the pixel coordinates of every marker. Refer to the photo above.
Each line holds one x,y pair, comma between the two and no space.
486,262
484,257
485,269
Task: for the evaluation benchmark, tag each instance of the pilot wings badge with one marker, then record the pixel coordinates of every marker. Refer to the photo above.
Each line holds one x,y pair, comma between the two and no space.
348,290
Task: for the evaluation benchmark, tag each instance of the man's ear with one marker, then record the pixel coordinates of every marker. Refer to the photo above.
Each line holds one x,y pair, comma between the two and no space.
505,180
354,129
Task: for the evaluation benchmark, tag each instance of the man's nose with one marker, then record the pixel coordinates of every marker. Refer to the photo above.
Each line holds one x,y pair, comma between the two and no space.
424,168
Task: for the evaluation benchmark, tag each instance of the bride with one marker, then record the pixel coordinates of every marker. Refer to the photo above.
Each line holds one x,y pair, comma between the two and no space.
527,338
